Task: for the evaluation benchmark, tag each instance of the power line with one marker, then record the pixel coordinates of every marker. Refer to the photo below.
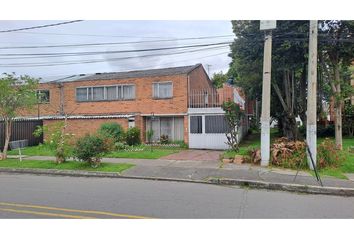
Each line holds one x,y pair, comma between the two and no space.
115,43
46,64
63,54
40,26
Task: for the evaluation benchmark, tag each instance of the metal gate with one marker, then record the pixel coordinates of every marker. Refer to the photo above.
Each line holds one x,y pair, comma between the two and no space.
22,130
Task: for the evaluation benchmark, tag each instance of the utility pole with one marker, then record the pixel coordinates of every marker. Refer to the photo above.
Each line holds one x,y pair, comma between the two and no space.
312,95
267,69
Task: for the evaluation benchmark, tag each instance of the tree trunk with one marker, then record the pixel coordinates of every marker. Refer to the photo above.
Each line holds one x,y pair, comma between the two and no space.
289,126
338,126
8,126
338,109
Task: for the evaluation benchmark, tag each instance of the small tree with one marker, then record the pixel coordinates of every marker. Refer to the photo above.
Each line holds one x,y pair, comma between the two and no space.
233,115
16,94
90,149
133,136
58,140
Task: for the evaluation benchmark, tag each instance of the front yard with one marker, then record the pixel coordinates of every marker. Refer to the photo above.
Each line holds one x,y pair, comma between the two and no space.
69,165
347,166
141,151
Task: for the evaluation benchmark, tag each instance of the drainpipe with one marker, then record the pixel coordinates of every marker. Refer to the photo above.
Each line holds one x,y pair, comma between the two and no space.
61,91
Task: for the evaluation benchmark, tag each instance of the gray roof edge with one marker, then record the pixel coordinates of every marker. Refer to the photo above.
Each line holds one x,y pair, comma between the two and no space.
81,77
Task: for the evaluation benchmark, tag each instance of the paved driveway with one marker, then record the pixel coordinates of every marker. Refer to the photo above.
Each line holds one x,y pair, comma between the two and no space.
208,155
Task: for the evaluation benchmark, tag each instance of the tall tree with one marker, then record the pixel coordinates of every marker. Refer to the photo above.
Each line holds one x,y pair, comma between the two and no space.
17,94
337,54
289,66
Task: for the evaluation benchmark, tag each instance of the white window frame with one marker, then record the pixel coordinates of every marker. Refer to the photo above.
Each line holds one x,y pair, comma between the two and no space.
39,91
89,97
158,91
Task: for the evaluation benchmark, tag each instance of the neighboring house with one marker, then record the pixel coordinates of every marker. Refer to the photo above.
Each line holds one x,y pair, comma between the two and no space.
156,99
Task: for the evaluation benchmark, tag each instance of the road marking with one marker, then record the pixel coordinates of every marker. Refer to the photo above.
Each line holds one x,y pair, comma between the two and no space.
45,213
74,210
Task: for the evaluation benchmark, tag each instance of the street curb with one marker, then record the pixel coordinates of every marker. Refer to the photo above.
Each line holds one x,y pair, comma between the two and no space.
289,187
337,191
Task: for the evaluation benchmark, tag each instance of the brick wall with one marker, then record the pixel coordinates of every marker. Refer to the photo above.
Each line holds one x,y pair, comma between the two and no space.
143,103
80,127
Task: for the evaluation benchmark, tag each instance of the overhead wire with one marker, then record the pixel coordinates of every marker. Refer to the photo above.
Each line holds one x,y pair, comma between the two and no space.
112,52
40,26
114,43
31,64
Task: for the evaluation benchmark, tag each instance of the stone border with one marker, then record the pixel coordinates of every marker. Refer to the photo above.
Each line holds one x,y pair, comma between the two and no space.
338,191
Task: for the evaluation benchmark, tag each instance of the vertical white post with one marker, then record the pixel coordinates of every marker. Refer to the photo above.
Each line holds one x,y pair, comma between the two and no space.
312,95
265,116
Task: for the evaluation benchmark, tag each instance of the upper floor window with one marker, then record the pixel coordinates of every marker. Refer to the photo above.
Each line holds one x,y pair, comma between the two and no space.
43,96
102,93
162,90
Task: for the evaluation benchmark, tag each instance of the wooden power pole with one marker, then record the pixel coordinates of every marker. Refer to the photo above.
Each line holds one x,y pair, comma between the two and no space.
267,69
311,137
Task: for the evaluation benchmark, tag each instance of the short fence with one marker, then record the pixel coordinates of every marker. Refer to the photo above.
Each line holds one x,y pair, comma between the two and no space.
22,130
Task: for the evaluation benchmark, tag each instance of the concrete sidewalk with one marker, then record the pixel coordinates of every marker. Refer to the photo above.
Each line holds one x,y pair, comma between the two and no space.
213,169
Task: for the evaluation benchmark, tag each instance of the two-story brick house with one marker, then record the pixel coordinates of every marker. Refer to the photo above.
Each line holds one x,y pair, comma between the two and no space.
128,98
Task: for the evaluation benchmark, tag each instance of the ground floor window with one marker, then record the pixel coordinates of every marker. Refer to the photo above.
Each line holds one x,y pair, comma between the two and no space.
196,125
173,127
216,124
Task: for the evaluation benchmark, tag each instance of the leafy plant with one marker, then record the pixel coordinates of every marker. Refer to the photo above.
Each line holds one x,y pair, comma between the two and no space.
90,148
58,140
233,115
112,130
164,139
133,136
149,135
119,146
328,154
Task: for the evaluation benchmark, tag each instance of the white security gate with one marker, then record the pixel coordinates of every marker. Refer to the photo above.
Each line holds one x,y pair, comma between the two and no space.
207,128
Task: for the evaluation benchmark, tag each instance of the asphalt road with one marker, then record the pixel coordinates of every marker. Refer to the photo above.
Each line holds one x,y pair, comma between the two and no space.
30,196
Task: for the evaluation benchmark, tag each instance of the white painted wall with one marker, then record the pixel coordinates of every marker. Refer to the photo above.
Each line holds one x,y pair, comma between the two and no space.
209,140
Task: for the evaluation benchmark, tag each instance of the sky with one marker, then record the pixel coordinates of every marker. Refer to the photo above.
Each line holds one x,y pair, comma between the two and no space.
148,34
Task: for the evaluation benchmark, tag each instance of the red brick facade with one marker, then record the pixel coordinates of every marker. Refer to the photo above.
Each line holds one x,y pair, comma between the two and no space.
63,100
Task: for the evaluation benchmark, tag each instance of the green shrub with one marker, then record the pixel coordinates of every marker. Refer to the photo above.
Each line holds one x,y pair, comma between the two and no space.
119,146
328,155
90,149
133,136
58,140
112,130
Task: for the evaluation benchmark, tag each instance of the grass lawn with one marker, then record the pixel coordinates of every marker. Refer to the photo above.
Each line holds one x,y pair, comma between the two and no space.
43,150
251,141
70,165
40,150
